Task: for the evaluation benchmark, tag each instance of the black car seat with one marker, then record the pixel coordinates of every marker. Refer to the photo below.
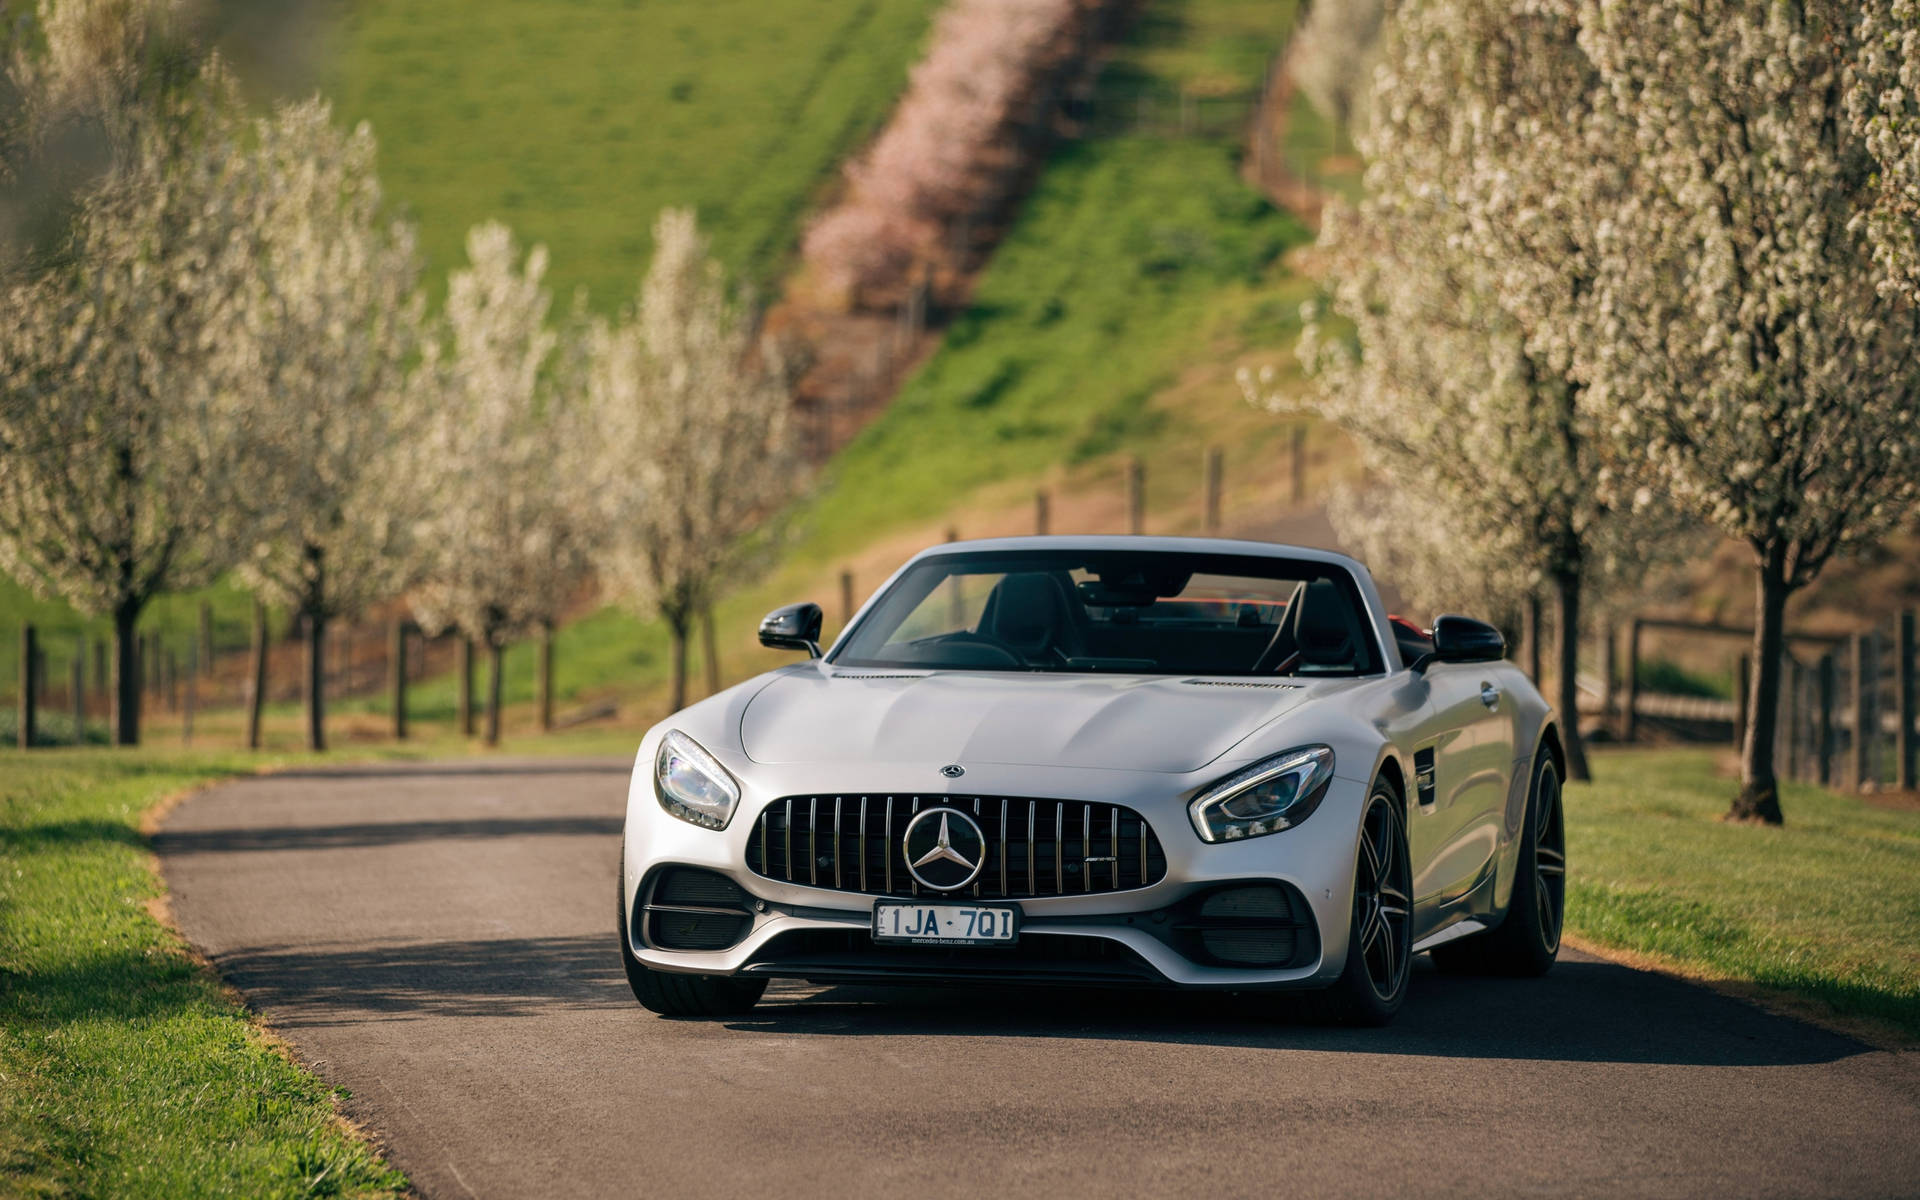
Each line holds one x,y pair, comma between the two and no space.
1029,613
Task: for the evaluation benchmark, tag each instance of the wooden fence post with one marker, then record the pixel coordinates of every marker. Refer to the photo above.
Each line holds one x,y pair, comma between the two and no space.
1136,496
190,691
1742,698
1041,517
28,699
1530,634
464,679
205,665
1788,724
257,679
1823,736
77,687
100,671
709,657
1862,689
1297,452
397,678
846,599
1909,686
1630,719
543,669
1215,467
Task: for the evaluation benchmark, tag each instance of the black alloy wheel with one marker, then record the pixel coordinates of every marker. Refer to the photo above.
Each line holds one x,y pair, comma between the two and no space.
1379,943
1527,940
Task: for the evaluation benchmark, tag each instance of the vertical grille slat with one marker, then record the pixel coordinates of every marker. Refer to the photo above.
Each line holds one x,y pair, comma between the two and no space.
1059,849
1079,848
1003,845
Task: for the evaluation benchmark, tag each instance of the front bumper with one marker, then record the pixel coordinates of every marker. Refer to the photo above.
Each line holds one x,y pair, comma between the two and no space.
1127,938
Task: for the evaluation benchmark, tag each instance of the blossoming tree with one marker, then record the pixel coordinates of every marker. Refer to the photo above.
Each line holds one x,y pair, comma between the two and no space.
690,413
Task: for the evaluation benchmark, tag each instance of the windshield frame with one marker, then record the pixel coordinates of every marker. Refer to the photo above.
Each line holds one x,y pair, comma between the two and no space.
1203,561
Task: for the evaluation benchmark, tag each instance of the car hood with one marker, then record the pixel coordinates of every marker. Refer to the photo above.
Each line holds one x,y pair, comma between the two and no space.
1113,722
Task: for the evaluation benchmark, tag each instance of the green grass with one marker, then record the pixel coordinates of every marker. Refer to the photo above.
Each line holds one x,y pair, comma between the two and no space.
576,121
1822,909
125,1070
1666,677
128,1072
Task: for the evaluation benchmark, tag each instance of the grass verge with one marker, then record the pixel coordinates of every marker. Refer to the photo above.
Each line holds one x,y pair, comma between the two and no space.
1820,913
126,1069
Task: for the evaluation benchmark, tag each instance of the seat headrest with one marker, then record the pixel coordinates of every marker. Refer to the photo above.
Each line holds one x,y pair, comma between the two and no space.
1325,632
1026,611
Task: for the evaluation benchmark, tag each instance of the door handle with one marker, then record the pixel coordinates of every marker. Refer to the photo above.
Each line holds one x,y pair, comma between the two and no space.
1489,695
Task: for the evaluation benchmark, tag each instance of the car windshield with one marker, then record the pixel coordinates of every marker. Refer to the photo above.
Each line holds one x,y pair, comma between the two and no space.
1121,611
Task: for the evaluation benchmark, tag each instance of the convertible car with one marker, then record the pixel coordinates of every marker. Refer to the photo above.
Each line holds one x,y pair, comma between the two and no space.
1108,761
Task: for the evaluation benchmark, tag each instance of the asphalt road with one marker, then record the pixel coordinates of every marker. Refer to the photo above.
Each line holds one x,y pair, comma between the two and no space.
439,940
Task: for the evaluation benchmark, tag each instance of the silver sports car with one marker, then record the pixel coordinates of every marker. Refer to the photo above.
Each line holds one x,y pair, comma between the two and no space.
1111,761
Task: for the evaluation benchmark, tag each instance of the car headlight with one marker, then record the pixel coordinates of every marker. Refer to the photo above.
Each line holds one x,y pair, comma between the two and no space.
691,784
1273,794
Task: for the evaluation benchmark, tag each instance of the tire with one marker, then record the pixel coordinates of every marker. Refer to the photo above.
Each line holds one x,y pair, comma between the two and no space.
1527,941
672,995
1373,984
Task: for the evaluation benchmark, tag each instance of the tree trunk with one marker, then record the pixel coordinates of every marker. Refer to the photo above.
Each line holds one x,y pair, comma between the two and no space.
545,673
126,675
463,675
316,681
677,628
495,653
710,651
257,689
1566,595
1759,798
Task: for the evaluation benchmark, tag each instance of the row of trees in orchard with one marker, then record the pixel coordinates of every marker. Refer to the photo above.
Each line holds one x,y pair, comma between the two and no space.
1626,270
216,356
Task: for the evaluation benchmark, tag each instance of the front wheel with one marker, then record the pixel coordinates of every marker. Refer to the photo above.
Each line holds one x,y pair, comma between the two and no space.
1528,940
673,995
1379,938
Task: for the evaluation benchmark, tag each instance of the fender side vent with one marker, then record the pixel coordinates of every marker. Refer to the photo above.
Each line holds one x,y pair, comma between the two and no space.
1423,775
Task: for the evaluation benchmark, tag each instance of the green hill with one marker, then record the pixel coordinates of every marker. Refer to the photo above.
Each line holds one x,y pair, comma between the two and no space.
577,122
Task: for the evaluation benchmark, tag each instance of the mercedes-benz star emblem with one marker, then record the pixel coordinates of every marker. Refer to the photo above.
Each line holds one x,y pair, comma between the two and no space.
945,848
953,770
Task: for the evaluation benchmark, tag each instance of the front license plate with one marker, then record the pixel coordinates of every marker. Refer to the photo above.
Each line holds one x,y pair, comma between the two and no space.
944,924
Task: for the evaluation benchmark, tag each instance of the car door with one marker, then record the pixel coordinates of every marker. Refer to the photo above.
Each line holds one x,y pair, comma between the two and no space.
1464,764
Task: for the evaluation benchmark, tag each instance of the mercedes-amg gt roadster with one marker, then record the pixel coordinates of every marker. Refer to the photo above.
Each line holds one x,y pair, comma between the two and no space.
1109,761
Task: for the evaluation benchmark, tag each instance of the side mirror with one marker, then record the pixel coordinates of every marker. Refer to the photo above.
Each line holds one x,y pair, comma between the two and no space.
1459,639
796,627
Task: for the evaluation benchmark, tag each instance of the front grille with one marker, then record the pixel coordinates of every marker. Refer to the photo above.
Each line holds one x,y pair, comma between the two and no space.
1034,847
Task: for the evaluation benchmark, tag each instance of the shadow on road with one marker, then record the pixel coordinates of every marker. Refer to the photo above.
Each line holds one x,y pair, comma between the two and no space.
494,977
1583,1012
